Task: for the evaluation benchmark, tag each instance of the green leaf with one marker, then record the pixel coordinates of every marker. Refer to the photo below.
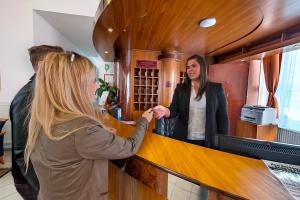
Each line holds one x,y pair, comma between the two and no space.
102,82
105,86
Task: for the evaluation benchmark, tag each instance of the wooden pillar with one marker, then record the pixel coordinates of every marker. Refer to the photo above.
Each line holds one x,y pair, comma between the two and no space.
125,80
170,75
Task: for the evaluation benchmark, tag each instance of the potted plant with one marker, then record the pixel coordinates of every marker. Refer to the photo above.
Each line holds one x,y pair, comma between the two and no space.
112,91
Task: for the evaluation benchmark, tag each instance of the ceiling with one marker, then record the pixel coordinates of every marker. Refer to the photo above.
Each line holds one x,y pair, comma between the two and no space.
173,24
77,29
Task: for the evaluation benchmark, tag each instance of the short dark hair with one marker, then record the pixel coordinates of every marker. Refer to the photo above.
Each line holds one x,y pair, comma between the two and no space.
203,75
37,53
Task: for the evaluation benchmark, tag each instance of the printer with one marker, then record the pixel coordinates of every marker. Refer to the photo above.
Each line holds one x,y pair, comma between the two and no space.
258,114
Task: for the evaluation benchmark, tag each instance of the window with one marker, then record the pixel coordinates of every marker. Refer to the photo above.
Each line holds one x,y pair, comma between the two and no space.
288,91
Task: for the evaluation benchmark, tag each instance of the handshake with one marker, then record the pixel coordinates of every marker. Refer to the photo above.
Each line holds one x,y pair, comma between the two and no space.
157,112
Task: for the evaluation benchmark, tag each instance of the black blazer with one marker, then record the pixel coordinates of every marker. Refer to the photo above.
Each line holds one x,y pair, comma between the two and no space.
216,112
19,109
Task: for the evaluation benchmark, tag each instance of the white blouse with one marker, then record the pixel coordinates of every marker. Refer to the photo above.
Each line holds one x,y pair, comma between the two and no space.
197,117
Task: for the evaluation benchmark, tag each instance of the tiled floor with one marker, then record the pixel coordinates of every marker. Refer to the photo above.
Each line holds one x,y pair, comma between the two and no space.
178,189
7,187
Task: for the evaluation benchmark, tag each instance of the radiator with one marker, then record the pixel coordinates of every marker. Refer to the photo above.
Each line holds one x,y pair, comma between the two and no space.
287,136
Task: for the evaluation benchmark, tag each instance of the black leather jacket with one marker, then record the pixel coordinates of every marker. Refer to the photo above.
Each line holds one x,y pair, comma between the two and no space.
19,110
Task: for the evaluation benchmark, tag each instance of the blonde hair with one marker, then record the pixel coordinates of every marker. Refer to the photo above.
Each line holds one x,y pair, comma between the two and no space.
60,95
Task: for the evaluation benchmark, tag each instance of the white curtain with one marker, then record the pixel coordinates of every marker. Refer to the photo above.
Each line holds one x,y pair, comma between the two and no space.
288,91
263,91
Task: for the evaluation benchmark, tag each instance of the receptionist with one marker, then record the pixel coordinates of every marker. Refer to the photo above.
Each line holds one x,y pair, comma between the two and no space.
200,105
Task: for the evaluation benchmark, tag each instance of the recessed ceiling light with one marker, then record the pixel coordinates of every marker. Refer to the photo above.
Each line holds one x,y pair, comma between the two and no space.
110,30
208,22
106,52
242,60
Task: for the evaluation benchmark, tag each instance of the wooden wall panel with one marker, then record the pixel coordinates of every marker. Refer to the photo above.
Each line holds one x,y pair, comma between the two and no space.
122,186
141,55
234,113
149,175
234,79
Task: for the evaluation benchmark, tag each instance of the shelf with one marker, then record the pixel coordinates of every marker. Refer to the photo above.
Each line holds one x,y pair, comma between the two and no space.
146,84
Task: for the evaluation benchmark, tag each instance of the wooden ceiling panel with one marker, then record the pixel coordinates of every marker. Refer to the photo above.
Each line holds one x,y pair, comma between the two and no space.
278,16
173,24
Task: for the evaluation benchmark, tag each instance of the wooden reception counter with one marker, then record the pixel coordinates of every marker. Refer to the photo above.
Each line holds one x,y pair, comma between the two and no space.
233,175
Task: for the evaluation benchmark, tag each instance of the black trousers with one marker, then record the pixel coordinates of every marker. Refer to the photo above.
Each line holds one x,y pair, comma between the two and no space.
21,184
24,189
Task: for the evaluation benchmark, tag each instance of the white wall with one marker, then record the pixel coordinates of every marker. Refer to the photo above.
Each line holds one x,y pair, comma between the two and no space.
102,69
16,37
54,37
22,28
16,22
44,33
76,7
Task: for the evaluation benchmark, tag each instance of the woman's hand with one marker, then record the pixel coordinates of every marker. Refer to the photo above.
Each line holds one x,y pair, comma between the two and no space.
161,111
148,114
110,129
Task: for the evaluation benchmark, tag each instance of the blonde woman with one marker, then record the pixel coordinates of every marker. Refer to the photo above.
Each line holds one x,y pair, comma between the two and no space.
68,146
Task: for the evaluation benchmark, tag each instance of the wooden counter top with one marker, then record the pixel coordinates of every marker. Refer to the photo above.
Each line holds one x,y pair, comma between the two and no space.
234,175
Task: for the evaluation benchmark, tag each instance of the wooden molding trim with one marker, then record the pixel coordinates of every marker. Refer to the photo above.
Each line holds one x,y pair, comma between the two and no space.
255,28
279,40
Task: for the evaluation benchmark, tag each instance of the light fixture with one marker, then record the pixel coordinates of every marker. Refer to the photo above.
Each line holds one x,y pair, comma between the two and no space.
208,22
106,52
110,30
242,60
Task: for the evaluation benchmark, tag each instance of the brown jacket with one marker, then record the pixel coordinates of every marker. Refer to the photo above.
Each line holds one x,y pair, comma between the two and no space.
76,167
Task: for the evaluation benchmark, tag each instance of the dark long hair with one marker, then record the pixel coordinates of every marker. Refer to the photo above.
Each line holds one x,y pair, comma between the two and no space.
203,76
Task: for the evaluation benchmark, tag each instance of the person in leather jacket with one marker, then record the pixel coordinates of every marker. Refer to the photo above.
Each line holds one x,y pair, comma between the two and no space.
26,183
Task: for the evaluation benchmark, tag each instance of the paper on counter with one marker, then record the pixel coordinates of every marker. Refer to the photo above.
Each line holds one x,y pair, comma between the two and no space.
288,175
